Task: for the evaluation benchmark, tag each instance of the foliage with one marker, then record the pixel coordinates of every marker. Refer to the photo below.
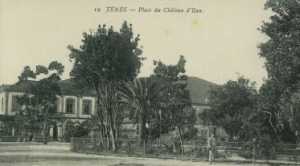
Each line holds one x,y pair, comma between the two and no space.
161,103
233,106
105,59
39,100
69,130
76,130
278,118
281,51
83,129
176,103
144,96
282,61
107,55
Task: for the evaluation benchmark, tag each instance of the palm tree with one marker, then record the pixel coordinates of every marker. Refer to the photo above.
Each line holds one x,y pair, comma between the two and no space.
143,95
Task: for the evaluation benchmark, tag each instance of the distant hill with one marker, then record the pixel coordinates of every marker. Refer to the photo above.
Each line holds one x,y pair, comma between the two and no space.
199,89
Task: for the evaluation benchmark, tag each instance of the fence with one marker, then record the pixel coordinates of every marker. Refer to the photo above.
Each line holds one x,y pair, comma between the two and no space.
192,150
22,139
11,139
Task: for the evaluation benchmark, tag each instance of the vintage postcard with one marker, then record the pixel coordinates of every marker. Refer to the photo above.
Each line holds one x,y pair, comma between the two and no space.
140,83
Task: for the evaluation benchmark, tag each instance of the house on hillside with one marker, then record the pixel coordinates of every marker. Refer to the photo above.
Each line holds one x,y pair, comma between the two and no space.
77,105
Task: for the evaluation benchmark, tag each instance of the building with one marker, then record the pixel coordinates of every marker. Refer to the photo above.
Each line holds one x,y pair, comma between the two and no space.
77,105
199,92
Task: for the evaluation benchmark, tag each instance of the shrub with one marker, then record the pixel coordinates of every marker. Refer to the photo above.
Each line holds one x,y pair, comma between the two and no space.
265,148
81,130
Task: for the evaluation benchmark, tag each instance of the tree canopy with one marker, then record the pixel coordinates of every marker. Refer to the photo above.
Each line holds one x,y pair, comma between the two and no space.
232,105
282,60
40,98
104,61
107,54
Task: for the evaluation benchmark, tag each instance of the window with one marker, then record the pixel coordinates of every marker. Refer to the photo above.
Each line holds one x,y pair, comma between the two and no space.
57,104
70,106
86,107
2,105
15,105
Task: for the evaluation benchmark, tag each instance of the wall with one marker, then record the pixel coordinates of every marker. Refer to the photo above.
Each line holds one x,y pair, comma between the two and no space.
10,96
78,112
93,108
61,104
2,103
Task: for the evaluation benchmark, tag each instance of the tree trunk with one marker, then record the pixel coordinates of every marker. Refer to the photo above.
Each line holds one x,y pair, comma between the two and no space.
107,138
100,137
140,126
115,126
181,141
111,130
45,131
141,131
99,116
45,127
112,136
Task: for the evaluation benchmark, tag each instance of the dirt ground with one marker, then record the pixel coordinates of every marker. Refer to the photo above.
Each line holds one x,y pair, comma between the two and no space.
58,154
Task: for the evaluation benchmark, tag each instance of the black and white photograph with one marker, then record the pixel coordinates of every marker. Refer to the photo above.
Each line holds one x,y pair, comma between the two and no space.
149,83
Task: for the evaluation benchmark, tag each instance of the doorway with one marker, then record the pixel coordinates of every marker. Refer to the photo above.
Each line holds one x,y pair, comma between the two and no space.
55,133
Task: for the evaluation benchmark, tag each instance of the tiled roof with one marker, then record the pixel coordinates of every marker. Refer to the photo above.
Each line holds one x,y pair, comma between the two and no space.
20,86
199,89
3,87
68,87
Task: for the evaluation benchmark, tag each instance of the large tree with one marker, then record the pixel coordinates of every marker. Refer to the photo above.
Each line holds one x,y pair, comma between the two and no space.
106,59
232,106
282,60
176,106
39,101
143,95
161,102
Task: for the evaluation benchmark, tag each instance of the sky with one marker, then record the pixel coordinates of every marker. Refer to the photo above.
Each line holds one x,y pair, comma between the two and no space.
219,44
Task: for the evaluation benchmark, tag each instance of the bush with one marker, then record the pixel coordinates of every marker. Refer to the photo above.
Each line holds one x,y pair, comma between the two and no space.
190,134
265,148
201,152
80,131
247,150
72,130
69,129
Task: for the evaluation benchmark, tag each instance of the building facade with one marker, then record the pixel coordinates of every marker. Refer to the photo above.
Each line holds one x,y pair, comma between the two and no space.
76,105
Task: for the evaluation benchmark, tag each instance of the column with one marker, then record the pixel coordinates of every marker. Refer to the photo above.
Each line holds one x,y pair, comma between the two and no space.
59,132
51,132
78,109
13,131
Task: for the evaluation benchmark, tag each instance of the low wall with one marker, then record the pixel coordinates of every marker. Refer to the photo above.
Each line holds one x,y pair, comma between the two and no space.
21,139
83,145
12,139
132,148
192,149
